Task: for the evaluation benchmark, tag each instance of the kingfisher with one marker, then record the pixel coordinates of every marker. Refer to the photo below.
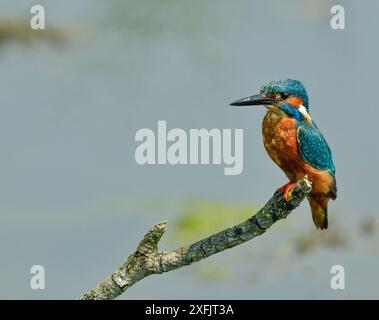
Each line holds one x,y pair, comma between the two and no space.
294,142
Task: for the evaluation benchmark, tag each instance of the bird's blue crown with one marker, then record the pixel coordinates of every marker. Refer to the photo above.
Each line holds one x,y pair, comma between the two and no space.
293,87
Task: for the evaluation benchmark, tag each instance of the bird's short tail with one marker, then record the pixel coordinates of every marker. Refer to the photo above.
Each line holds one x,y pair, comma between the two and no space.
319,208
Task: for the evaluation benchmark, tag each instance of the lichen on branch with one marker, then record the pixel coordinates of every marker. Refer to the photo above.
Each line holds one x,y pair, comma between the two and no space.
148,260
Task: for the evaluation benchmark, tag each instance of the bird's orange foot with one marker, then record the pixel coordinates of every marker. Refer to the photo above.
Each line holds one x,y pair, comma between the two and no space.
287,188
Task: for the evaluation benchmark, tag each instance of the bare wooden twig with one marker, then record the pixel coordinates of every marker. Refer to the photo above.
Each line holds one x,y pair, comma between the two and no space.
147,260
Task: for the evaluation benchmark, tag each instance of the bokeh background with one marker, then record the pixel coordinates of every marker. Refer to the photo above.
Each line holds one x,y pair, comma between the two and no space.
72,197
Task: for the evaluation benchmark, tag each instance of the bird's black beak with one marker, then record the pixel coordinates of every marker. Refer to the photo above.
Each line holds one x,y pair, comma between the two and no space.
255,100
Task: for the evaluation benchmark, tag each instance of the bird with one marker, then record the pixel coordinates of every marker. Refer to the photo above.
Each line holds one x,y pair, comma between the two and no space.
295,143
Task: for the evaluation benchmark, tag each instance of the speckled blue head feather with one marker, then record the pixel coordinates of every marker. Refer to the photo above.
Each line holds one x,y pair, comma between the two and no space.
293,87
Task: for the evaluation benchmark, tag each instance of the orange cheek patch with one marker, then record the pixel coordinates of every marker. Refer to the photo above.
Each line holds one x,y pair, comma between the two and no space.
294,101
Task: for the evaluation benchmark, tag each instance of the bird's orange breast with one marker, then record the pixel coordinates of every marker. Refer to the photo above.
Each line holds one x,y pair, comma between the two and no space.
280,141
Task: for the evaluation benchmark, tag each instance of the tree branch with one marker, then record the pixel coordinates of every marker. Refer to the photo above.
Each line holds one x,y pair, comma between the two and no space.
147,260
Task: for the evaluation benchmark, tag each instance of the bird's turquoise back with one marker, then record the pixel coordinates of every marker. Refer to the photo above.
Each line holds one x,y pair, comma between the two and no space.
313,147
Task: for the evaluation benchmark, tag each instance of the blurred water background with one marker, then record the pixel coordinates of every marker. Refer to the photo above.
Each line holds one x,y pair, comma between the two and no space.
72,197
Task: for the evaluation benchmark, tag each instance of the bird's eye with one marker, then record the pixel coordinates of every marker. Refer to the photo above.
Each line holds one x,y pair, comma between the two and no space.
284,95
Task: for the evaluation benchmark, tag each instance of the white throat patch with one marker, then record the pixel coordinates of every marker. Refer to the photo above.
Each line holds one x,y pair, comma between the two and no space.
305,114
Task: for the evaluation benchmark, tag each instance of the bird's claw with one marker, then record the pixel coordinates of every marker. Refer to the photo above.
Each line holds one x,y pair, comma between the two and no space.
287,188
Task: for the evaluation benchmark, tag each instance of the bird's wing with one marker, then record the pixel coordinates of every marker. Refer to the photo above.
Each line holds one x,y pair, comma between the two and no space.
314,149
